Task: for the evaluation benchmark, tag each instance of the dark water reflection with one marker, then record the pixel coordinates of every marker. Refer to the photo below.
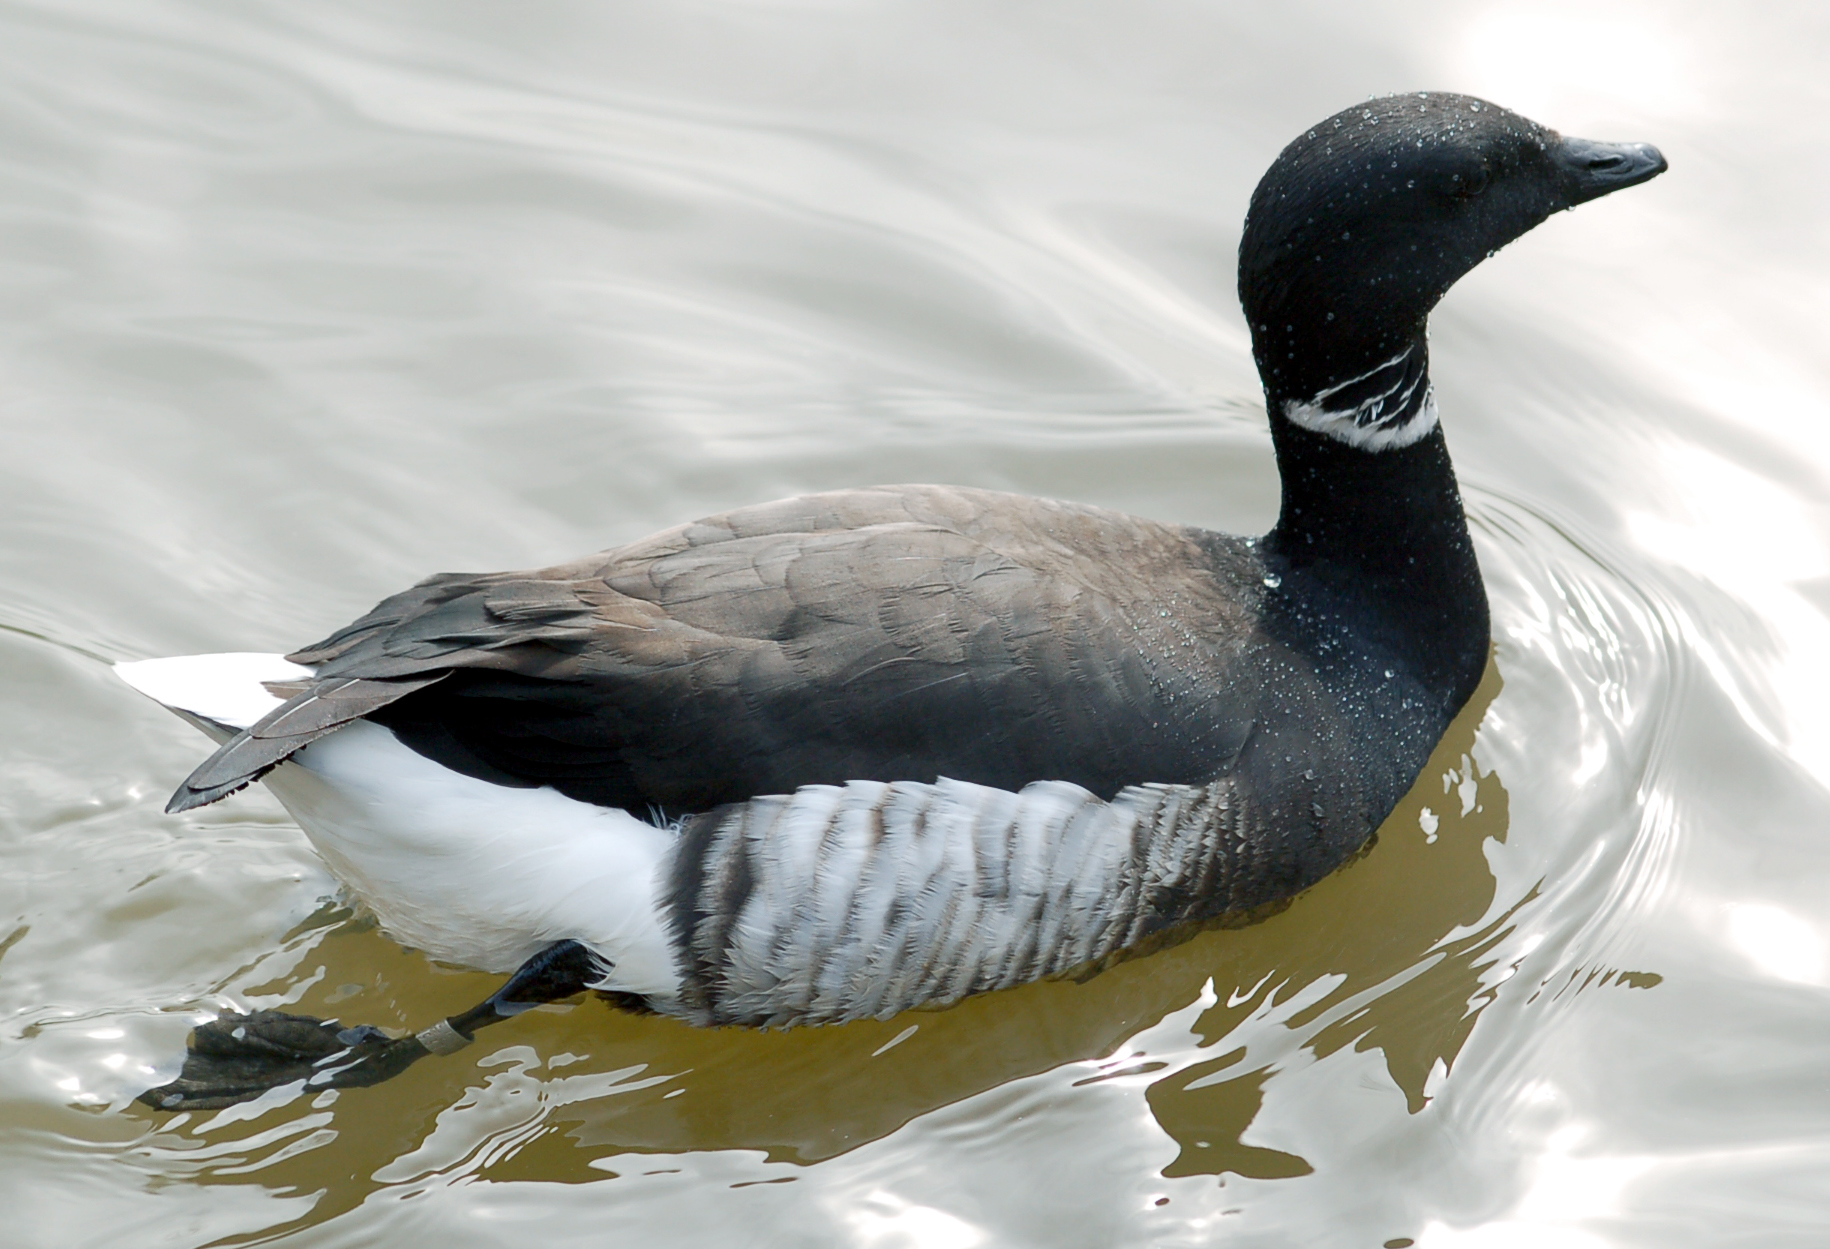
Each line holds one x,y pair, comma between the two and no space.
297,306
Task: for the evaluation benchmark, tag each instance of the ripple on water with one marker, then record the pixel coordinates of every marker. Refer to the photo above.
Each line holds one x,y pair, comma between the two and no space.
297,302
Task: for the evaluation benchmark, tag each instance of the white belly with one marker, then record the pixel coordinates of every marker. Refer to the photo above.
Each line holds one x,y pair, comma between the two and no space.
476,873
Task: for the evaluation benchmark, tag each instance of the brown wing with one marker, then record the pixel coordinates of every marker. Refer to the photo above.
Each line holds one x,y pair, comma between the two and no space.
894,634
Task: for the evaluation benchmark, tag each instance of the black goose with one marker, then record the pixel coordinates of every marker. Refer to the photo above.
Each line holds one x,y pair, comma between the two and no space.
844,755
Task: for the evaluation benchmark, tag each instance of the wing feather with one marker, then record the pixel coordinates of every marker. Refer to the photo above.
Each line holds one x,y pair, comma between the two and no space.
890,634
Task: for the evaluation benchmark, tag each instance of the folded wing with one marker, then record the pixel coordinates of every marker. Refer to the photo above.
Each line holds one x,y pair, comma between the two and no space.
887,635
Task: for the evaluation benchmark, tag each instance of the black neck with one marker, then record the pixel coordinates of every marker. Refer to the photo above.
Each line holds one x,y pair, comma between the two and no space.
1386,513
1386,528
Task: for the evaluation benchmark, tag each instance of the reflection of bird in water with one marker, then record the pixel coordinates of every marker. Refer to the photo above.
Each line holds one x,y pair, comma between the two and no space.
844,755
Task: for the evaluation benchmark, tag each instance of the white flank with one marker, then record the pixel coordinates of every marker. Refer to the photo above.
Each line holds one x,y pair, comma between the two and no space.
477,873
470,872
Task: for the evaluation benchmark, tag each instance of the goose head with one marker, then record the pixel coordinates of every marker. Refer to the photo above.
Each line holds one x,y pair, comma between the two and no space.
1365,221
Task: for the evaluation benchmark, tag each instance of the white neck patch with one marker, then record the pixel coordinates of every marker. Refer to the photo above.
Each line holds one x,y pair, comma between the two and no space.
1384,421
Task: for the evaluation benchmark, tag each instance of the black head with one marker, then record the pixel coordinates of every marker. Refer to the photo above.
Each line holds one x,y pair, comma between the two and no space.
1363,223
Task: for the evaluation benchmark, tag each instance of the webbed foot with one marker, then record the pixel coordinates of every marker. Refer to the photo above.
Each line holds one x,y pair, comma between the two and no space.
236,1058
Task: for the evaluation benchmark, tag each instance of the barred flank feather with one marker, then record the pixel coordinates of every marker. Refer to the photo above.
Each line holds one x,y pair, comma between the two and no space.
863,900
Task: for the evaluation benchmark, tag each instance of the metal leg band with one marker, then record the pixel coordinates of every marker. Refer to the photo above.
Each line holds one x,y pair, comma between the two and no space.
442,1038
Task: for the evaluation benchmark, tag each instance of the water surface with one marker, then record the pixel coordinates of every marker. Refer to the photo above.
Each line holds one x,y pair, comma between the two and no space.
298,305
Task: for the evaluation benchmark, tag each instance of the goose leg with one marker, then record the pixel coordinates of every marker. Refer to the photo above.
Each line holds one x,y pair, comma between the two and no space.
237,1057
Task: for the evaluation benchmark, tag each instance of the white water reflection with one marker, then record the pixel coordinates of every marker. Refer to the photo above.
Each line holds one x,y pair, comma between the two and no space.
1778,942
1763,639
882,1220
1580,64
1571,1192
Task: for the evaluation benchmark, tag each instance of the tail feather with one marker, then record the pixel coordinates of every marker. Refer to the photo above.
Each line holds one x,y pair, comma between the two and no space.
295,724
233,695
226,691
